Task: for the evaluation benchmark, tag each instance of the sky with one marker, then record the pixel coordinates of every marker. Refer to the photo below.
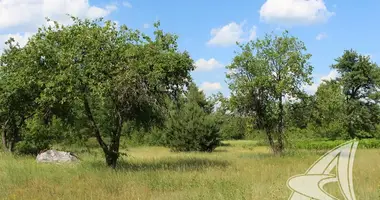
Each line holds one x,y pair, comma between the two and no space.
208,30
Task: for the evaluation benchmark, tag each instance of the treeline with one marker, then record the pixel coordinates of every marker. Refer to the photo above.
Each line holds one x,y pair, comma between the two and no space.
93,79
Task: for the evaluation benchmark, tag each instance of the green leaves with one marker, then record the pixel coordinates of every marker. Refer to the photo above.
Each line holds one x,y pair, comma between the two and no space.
266,71
360,80
113,74
191,126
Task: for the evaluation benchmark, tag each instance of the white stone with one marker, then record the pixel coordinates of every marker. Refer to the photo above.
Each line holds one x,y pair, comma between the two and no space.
53,156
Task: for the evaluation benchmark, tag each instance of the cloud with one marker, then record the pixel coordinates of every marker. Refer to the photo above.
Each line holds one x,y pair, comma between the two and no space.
21,38
29,14
207,65
231,33
294,12
321,36
210,87
227,35
311,89
127,4
146,25
252,34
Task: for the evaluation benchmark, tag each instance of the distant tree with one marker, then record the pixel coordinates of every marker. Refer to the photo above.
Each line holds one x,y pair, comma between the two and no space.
233,125
360,79
112,74
299,113
329,111
262,75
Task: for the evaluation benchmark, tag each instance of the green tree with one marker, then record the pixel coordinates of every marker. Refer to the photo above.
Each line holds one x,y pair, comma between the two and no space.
329,111
113,74
360,78
300,112
263,74
191,126
17,94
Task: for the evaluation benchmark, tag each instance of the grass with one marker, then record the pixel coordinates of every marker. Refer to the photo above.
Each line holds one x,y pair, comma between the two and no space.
238,170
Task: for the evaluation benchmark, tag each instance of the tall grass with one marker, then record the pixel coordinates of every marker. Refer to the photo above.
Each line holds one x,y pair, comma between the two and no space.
239,170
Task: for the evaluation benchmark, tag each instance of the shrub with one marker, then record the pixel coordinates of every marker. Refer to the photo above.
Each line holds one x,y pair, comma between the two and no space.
191,129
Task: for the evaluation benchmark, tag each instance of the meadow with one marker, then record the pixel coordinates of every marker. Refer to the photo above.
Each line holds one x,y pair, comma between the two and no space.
236,170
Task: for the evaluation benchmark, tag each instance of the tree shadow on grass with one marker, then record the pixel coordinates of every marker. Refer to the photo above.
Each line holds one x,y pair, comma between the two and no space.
172,164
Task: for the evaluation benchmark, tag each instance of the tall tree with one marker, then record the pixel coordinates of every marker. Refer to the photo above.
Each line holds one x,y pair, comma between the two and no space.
360,78
17,94
113,74
263,74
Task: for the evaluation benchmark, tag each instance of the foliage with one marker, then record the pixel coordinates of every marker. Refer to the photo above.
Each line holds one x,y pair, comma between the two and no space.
360,80
262,75
112,74
190,127
299,113
37,136
233,128
328,116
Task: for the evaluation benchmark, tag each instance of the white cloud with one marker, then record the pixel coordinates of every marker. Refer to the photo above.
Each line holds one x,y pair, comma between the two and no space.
252,34
207,65
22,39
332,75
295,12
146,26
210,87
127,4
29,14
321,36
227,35
311,89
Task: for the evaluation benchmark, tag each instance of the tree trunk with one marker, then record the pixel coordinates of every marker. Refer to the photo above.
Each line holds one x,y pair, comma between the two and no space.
111,152
111,159
11,145
4,140
95,128
281,126
271,141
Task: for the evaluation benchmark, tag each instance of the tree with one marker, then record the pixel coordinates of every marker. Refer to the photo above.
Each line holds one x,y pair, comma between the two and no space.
329,111
360,79
191,126
233,125
16,94
300,112
263,74
112,74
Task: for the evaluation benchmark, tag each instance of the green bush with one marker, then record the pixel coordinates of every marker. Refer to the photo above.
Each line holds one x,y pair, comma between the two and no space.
191,129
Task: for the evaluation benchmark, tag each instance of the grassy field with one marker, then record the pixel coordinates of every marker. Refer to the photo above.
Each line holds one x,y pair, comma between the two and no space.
240,170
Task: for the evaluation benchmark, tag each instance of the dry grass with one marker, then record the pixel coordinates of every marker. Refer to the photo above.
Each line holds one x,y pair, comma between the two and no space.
238,171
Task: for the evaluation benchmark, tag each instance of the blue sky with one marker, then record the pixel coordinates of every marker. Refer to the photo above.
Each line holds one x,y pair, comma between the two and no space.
209,29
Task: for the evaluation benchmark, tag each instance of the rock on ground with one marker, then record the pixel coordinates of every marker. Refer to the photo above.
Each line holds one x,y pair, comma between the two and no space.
53,156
